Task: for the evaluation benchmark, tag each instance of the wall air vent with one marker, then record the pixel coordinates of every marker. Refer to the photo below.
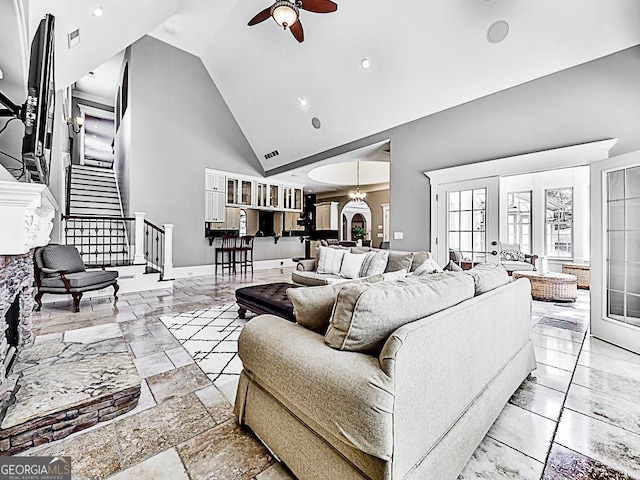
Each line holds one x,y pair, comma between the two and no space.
271,155
74,38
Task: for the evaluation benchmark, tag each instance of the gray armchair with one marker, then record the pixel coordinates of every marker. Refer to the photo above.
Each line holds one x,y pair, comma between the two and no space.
59,269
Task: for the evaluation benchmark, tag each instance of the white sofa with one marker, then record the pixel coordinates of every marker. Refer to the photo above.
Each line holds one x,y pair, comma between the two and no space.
306,270
417,409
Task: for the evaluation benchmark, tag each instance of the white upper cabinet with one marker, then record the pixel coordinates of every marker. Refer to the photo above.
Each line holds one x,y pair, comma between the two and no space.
253,192
215,181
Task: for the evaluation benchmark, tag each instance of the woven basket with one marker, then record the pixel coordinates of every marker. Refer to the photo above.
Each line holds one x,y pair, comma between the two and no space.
551,287
580,271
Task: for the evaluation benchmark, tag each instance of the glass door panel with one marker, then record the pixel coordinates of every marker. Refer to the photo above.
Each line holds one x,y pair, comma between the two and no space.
468,222
623,246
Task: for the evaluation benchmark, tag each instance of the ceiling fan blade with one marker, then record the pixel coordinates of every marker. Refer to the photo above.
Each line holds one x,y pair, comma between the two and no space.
296,30
319,6
261,17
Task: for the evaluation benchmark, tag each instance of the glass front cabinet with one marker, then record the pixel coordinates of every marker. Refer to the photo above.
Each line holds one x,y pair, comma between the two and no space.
268,195
239,192
292,198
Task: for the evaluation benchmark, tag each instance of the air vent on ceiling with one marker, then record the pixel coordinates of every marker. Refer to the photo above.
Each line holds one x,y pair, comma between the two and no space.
271,155
73,38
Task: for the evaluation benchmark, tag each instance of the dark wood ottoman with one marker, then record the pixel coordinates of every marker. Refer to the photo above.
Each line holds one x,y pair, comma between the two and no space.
269,298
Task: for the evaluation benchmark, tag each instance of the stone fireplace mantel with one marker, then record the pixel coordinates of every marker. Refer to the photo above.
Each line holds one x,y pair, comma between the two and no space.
26,216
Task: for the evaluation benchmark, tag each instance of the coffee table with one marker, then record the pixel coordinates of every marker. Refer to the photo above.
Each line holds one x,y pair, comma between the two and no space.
269,298
551,286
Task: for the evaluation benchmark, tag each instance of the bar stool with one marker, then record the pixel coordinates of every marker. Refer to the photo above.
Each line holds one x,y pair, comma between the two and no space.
244,249
229,247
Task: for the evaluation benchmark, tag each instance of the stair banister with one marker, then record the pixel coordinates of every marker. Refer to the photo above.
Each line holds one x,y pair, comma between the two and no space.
167,261
139,258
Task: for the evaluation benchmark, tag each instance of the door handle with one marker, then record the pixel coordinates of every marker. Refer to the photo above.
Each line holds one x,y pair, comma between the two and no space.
494,253
494,243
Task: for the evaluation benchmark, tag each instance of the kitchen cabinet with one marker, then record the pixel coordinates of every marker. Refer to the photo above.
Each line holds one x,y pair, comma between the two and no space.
268,195
239,191
292,198
327,216
214,181
214,206
291,221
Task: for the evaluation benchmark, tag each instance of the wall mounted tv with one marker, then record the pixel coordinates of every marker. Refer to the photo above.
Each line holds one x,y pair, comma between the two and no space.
37,113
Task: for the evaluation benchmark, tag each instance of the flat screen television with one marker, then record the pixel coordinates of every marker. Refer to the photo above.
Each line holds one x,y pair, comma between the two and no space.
38,111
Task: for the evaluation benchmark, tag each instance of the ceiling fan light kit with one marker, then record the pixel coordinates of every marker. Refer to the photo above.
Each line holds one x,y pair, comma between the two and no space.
284,13
287,14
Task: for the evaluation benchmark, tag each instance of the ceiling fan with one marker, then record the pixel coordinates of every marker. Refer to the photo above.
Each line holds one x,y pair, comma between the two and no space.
286,13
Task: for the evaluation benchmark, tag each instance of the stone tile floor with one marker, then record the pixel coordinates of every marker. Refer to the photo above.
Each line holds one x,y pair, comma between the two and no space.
576,417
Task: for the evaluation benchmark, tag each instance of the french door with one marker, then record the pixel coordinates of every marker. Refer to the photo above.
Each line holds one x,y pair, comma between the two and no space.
467,221
615,251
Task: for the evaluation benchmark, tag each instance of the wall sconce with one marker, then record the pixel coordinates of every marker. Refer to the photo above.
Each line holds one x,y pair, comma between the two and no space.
75,122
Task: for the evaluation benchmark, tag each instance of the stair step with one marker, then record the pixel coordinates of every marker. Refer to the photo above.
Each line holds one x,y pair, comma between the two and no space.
88,168
107,177
89,182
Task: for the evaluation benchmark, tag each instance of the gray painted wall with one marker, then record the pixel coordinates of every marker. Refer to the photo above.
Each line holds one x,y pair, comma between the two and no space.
122,147
180,124
593,101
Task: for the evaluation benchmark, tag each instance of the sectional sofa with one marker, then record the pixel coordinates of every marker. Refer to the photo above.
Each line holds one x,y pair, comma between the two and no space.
386,380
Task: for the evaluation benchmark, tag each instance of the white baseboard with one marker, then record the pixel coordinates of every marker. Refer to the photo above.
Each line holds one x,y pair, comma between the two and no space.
130,279
203,270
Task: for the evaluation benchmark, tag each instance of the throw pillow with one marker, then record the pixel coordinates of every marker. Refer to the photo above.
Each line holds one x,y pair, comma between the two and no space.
351,265
366,314
511,256
62,257
330,260
399,275
360,249
374,263
399,261
453,267
312,306
487,276
428,267
418,259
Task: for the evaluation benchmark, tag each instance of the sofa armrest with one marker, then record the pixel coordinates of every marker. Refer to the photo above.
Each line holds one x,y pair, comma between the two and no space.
441,363
308,265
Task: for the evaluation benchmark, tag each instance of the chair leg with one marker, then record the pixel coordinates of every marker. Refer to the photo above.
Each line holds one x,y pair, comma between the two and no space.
38,300
116,287
76,301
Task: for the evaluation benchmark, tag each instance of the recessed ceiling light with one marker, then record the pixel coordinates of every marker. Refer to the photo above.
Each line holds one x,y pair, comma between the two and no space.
97,12
94,136
302,101
96,127
365,63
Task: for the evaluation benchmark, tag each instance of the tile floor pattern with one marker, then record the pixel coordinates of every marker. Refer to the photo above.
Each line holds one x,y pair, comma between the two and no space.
576,417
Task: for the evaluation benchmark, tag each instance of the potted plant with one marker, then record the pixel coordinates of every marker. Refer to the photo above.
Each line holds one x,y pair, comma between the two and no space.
358,232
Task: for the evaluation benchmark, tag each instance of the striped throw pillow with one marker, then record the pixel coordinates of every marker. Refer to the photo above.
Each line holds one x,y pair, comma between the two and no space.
330,260
374,263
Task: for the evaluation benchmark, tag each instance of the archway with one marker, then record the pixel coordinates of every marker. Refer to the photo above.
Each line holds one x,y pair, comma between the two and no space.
355,214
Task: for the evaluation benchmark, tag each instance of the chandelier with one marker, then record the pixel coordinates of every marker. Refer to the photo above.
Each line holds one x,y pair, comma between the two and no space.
357,196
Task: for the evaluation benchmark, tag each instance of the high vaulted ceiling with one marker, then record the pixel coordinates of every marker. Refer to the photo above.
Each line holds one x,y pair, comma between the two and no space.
426,56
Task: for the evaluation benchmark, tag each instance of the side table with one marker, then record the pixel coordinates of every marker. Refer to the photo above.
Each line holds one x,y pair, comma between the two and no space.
580,270
551,287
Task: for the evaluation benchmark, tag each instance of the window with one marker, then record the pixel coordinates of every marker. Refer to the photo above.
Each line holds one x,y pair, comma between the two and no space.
559,222
519,229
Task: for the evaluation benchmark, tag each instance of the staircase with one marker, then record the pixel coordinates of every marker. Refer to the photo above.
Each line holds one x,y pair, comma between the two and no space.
95,223
93,191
